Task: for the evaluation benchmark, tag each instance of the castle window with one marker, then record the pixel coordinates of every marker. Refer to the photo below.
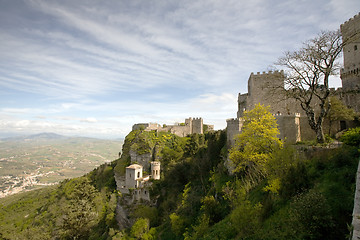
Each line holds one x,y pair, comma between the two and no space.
130,174
355,47
145,192
138,174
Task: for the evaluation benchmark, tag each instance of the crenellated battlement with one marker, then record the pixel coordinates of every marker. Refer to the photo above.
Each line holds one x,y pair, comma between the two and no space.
287,115
291,118
232,120
350,32
276,72
355,18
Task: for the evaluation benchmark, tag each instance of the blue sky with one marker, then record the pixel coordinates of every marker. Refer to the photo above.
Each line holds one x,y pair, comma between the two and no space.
95,68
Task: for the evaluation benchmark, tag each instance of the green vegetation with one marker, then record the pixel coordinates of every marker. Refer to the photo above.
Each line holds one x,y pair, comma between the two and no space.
80,208
254,146
299,193
338,111
352,137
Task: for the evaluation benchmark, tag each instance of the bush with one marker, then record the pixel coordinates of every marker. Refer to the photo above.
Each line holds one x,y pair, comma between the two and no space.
311,216
352,137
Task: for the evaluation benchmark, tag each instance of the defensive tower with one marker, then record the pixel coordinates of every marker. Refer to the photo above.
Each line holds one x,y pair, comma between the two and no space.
133,173
155,170
350,74
197,126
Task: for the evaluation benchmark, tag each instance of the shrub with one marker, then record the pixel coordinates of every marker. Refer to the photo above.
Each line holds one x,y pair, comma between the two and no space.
352,137
311,216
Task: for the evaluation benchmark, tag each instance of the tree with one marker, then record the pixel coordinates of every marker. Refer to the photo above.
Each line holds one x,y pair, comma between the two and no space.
257,140
140,228
307,76
338,111
79,212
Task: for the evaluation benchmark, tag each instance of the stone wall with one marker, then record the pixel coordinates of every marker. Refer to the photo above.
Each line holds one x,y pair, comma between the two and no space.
289,127
148,126
197,126
191,126
261,88
233,128
350,74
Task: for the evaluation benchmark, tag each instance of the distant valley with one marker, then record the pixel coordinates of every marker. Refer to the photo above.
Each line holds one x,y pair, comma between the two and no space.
45,159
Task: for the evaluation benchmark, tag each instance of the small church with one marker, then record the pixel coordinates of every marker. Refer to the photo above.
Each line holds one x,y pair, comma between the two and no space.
136,183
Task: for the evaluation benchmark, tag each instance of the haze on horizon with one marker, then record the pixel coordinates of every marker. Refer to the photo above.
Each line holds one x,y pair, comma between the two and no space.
95,68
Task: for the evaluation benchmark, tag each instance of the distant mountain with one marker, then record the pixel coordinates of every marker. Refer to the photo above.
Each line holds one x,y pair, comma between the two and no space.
39,136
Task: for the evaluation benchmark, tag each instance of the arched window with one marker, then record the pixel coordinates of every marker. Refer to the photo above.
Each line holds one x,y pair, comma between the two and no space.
138,174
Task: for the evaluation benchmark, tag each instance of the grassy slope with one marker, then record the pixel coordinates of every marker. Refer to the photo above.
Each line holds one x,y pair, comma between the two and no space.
197,199
82,207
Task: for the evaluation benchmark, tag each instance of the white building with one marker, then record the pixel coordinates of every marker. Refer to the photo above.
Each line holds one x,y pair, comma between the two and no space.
136,184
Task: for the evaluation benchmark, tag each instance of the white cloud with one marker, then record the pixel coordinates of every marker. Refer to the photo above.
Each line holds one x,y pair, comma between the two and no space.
101,67
89,120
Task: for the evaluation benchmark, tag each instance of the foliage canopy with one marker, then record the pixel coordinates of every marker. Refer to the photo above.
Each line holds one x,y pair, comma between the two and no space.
256,142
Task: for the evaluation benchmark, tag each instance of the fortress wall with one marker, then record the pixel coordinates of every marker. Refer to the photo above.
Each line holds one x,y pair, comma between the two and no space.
306,132
233,128
242,104
351,99
261,89
350,74
181,131
197,126
289,127
141,194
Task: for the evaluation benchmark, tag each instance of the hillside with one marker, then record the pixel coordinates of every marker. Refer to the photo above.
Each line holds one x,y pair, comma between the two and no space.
308,193
44,159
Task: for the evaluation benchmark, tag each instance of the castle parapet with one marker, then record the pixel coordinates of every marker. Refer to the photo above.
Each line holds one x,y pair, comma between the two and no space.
355,18
267,73
287,115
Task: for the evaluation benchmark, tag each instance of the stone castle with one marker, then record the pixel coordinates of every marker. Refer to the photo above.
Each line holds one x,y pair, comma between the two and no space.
191,125
292,120
135,183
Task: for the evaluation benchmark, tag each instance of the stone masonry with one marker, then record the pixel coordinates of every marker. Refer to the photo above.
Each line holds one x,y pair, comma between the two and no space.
191,125
292,120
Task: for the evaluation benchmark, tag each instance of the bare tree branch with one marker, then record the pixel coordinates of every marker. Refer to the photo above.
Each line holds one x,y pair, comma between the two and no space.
307,79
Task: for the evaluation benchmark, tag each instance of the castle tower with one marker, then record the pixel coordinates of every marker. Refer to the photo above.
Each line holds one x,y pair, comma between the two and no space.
350,74
233,128
242,104
155,170
197,126
133,173
260,90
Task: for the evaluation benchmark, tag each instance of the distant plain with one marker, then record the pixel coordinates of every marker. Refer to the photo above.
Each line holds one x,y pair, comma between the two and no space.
45,159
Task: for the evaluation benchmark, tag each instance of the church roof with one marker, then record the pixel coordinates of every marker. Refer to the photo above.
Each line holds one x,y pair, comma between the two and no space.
135,166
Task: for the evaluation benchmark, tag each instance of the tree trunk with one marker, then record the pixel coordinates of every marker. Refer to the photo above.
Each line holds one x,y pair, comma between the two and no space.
315,123
319,134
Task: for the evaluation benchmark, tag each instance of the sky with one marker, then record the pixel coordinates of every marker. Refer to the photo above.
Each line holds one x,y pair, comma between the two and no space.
94,68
